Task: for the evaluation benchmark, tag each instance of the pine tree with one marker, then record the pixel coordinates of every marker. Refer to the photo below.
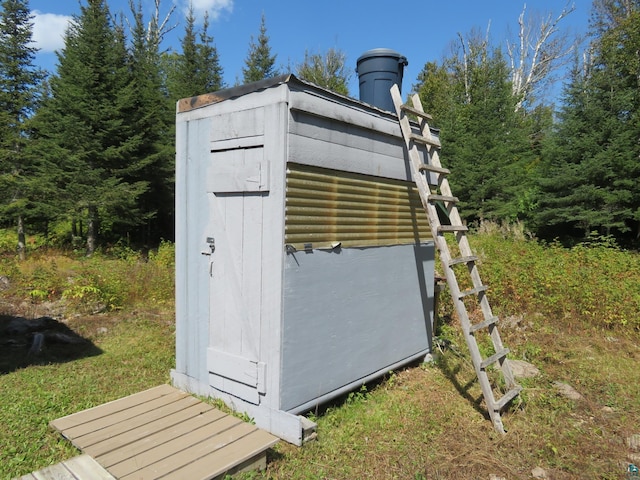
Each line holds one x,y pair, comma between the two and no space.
20,93
150,120
484,139
591,179
615,83
568,199
210,72
328,70
84,125
196,70
259,63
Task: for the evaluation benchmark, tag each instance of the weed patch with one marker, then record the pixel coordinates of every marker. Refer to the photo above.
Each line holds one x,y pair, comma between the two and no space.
571,312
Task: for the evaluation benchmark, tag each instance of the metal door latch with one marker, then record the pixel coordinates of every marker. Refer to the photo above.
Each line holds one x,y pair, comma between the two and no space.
212,246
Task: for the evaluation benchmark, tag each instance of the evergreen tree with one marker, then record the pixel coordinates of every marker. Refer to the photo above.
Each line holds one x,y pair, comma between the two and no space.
85,128
150,119
569,200
20,93
484,139
259,63
591,180
328,70
615,82
209,71
196,70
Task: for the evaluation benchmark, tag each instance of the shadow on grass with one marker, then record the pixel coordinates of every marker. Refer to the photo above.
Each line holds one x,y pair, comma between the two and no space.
452,368
39,341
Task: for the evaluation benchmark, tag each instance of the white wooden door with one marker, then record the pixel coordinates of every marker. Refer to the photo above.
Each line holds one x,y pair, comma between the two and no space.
238,188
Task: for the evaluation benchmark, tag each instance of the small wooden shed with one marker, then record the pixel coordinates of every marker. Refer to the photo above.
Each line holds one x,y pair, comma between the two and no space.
304,259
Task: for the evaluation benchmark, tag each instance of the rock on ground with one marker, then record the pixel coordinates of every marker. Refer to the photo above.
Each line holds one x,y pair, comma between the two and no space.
539,472
522,369
567,391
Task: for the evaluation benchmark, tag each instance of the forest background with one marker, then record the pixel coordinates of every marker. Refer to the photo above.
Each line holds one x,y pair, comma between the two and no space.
87,151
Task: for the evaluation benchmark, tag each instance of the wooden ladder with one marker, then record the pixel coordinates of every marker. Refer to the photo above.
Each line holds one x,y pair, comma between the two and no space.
423,150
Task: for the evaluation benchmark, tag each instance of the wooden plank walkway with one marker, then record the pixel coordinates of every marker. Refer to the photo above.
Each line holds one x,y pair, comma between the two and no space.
82,467
165,433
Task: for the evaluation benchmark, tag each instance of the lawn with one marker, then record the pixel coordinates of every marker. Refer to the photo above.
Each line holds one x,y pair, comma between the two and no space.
573,313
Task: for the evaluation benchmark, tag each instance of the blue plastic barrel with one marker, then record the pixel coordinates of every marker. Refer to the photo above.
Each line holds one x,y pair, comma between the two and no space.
378,70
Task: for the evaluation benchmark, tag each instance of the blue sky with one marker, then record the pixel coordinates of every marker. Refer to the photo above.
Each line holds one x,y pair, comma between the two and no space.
422,30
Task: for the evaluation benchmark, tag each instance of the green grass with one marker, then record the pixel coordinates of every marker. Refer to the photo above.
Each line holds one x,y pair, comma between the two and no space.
136,354
571,312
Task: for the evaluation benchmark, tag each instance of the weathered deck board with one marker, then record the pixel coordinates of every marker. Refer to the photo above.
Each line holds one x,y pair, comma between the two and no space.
107,431
116,405
138,439
163,432
82,467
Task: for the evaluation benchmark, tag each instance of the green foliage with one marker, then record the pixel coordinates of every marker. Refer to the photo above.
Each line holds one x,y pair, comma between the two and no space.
260,63
125,279
85,128
197,69
328,71
590,176
593,284
20,94
150,116
486,144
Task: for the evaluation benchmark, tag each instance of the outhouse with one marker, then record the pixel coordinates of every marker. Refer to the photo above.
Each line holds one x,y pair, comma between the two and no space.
304,259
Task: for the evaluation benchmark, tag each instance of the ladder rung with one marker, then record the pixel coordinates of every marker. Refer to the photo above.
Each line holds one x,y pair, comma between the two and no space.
473,291
431,168
415,111
510,395
483,324
433,141
456,261
452,228
421,161
443,198
494,358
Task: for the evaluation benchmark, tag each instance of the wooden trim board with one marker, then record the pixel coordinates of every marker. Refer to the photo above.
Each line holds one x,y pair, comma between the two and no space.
165,433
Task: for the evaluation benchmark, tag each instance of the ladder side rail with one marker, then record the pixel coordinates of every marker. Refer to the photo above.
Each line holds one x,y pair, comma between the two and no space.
424,190
454,215
465,250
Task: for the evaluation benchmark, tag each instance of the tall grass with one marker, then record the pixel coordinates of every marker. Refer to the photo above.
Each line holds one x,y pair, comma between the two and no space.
123,279
594,283
424,422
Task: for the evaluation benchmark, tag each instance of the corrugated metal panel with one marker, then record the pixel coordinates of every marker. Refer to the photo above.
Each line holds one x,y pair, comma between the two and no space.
325,207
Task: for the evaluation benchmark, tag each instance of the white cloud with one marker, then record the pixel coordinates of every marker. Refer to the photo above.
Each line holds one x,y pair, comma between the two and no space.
49,30
214,7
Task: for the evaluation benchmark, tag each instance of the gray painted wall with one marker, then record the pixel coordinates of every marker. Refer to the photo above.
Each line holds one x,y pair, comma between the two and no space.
351,312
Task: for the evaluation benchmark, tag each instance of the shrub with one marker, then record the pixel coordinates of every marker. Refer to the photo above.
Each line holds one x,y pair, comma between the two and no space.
98,283
593,283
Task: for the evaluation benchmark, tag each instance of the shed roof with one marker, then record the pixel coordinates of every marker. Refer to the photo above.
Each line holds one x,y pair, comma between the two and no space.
199,101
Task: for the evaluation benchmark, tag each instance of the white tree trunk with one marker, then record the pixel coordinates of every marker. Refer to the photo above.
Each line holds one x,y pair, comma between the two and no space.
540,49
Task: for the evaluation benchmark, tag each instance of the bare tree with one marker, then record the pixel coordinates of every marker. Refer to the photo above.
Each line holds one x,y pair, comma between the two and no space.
541,49
156,28
474,52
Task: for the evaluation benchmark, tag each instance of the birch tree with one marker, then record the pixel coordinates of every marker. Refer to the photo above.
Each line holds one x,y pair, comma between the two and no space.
540,49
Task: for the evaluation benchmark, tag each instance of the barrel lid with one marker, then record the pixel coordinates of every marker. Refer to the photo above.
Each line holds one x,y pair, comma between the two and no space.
383,52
